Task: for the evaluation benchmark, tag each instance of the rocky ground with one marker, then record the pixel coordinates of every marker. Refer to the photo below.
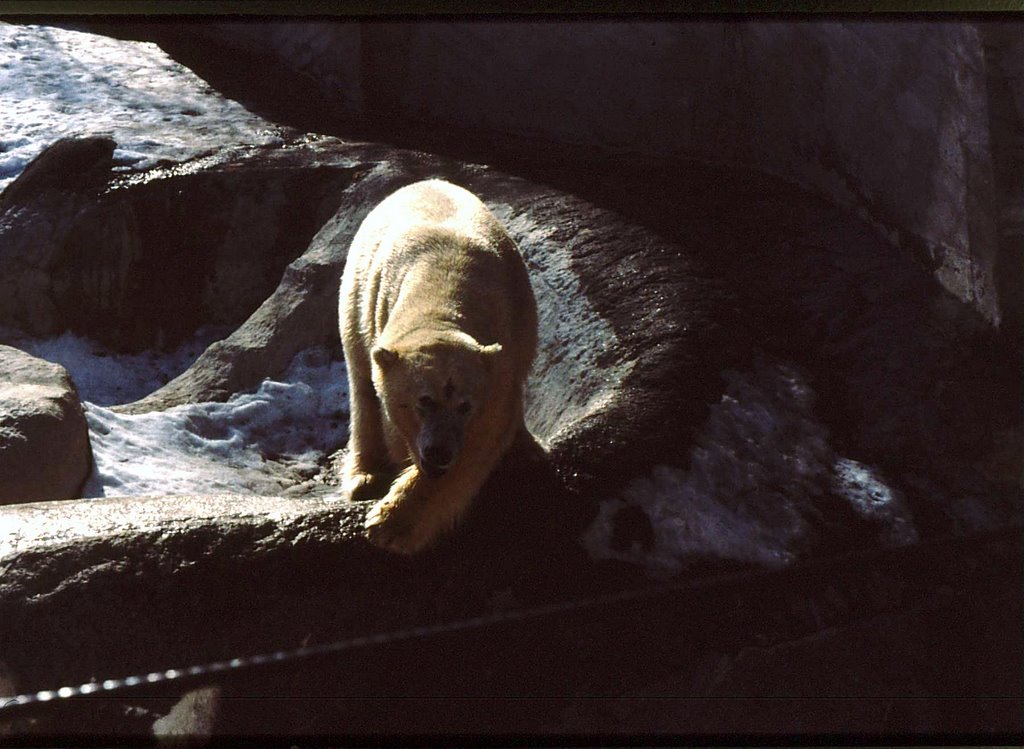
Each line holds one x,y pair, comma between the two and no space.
848,352
735,378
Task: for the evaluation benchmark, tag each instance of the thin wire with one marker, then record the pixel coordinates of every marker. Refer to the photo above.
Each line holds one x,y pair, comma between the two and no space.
379,638
476,622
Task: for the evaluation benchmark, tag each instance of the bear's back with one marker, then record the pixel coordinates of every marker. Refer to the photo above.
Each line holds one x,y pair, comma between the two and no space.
434,204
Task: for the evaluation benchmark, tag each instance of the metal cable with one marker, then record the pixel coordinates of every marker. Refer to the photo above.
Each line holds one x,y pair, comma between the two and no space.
15,703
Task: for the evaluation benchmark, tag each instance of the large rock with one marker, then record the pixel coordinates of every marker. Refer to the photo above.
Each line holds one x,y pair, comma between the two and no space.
37,211
299,576
138,262
1004,58
44,440
889,118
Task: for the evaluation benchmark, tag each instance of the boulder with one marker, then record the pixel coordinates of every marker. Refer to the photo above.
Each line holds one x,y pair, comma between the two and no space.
191,721
139,262
44,440
37,211
890,119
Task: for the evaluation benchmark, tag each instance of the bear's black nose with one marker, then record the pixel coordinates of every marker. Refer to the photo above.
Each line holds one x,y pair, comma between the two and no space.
437,456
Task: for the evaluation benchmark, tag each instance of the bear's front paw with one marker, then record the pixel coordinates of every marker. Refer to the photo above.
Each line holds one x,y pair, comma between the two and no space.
399,527
362,486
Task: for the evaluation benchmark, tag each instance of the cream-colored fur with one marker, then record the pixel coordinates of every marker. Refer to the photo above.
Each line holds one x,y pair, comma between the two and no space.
439,327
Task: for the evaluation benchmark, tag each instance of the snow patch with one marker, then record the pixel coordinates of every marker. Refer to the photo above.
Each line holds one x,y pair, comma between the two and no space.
760,465
56,83
874,500
760,461
106,378
262,442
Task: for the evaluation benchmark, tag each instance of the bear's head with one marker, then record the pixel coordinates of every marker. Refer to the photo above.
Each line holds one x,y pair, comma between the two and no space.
431,387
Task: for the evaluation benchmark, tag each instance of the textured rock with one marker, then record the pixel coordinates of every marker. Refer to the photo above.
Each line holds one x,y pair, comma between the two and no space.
302,310
1004,58
8,684
105,544
44,440
9,688
37,212
68,165
190,721
889,118
139,261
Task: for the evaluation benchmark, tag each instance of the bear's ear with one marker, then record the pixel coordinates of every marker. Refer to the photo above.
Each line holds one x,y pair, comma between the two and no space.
384,357
488,354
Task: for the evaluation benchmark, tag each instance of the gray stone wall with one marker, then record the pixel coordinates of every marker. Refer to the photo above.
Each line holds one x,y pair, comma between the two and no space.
888,117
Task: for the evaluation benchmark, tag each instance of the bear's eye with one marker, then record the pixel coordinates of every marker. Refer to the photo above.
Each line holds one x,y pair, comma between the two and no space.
425,403
464,408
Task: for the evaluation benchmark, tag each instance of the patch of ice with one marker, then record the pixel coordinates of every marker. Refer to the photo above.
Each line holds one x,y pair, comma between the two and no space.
106,378
874,500
760,461
56,82
261,442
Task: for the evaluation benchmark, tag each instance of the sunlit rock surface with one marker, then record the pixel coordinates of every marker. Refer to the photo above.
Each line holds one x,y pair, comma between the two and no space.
44,442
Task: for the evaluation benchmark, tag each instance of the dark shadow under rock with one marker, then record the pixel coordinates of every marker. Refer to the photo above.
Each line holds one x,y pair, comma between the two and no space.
37,211
68,165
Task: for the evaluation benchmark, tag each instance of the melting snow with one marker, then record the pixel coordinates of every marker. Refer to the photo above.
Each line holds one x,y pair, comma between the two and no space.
256,443
759,461
104,377
263,442
56,82
874,500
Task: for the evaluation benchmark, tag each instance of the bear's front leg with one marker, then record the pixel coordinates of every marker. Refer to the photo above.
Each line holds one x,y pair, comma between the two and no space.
418,510
365,469
359,485
403,521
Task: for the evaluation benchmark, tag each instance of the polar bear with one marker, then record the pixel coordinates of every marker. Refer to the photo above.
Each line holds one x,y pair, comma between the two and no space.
439,328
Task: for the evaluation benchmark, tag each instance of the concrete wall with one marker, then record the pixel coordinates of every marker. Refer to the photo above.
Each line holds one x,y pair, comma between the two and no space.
890,117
